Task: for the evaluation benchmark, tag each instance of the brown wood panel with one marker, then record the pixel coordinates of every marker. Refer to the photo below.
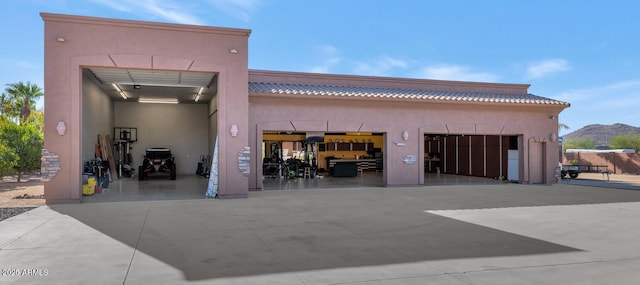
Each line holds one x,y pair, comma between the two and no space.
493,156
477,156
433,147
505,156
450,155
463,155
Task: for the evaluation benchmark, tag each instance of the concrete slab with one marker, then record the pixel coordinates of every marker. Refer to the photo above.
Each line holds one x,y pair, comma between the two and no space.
582,273
97,264
470,234
146,269
154,188
406,273
588,227
122,221
14,228
61,231
239,254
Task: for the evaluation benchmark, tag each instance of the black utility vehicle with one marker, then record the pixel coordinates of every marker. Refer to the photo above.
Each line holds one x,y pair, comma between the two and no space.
157,160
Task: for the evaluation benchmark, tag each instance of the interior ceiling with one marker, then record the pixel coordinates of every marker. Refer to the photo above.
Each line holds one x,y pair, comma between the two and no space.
153,84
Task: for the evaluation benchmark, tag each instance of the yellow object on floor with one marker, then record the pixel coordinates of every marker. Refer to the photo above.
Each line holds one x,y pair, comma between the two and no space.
89,188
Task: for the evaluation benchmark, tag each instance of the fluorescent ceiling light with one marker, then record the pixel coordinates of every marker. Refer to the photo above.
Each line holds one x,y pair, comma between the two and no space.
199,93
160,101
122,94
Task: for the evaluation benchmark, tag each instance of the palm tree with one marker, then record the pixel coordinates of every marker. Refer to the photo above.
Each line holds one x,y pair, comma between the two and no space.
24,95
562,126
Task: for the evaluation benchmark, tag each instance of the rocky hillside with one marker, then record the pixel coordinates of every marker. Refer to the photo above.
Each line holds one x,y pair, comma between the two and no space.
601,134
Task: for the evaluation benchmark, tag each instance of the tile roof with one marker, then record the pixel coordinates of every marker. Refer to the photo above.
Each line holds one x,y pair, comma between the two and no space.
393,93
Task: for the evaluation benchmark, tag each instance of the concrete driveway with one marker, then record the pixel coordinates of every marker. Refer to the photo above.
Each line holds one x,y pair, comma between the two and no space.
476,234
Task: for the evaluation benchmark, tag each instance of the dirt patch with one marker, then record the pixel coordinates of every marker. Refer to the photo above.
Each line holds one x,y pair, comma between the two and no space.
30,192
621,178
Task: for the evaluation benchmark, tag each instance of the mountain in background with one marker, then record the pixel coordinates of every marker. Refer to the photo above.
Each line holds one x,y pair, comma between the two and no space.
601,134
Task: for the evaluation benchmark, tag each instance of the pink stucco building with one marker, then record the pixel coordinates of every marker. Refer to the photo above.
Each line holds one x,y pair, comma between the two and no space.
467,128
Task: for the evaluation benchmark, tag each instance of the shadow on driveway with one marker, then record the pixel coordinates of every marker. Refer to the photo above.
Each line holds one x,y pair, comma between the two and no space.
290,231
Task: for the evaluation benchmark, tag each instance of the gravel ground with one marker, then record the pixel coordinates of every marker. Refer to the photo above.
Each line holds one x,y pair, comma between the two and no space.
9,212
19,197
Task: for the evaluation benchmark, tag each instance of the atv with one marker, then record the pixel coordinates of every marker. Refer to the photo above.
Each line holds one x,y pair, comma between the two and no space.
157,160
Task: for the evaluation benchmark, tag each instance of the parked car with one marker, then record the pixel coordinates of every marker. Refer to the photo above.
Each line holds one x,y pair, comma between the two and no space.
157,161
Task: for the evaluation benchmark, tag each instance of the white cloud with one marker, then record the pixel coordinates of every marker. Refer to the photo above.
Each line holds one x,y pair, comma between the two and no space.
241,9
121,6
610,93
616,102
328,50
456,72
176,12
545,67
172,14
319,69
388,62
330,58
381,66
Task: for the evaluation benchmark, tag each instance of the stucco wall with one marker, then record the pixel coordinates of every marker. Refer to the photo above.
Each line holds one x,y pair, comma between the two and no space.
99,42
74,42
212,115
339,114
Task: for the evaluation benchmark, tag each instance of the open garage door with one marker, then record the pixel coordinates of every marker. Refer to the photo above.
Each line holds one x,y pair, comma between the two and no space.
144,116
307,160
469,159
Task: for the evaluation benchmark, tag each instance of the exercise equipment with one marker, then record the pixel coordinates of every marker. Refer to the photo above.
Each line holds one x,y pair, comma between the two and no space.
123,145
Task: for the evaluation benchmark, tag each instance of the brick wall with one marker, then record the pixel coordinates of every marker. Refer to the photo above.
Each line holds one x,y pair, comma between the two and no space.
50,165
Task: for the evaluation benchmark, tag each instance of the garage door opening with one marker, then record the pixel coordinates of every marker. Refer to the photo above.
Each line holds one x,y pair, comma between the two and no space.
308,160
471,159
131,117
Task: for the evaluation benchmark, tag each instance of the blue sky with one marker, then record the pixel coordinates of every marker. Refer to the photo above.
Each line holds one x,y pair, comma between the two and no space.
583,52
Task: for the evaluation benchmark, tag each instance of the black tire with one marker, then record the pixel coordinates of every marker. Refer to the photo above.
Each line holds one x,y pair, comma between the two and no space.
140,173
573,175
173,172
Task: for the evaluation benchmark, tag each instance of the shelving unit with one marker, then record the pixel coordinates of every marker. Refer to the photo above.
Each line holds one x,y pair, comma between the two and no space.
350,146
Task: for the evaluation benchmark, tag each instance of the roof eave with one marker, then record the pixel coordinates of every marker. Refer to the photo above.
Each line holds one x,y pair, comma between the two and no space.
559,104
50,17
286,77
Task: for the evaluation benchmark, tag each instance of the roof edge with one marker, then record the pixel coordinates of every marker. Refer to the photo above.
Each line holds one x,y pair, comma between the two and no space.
289,77
51,17
307,91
